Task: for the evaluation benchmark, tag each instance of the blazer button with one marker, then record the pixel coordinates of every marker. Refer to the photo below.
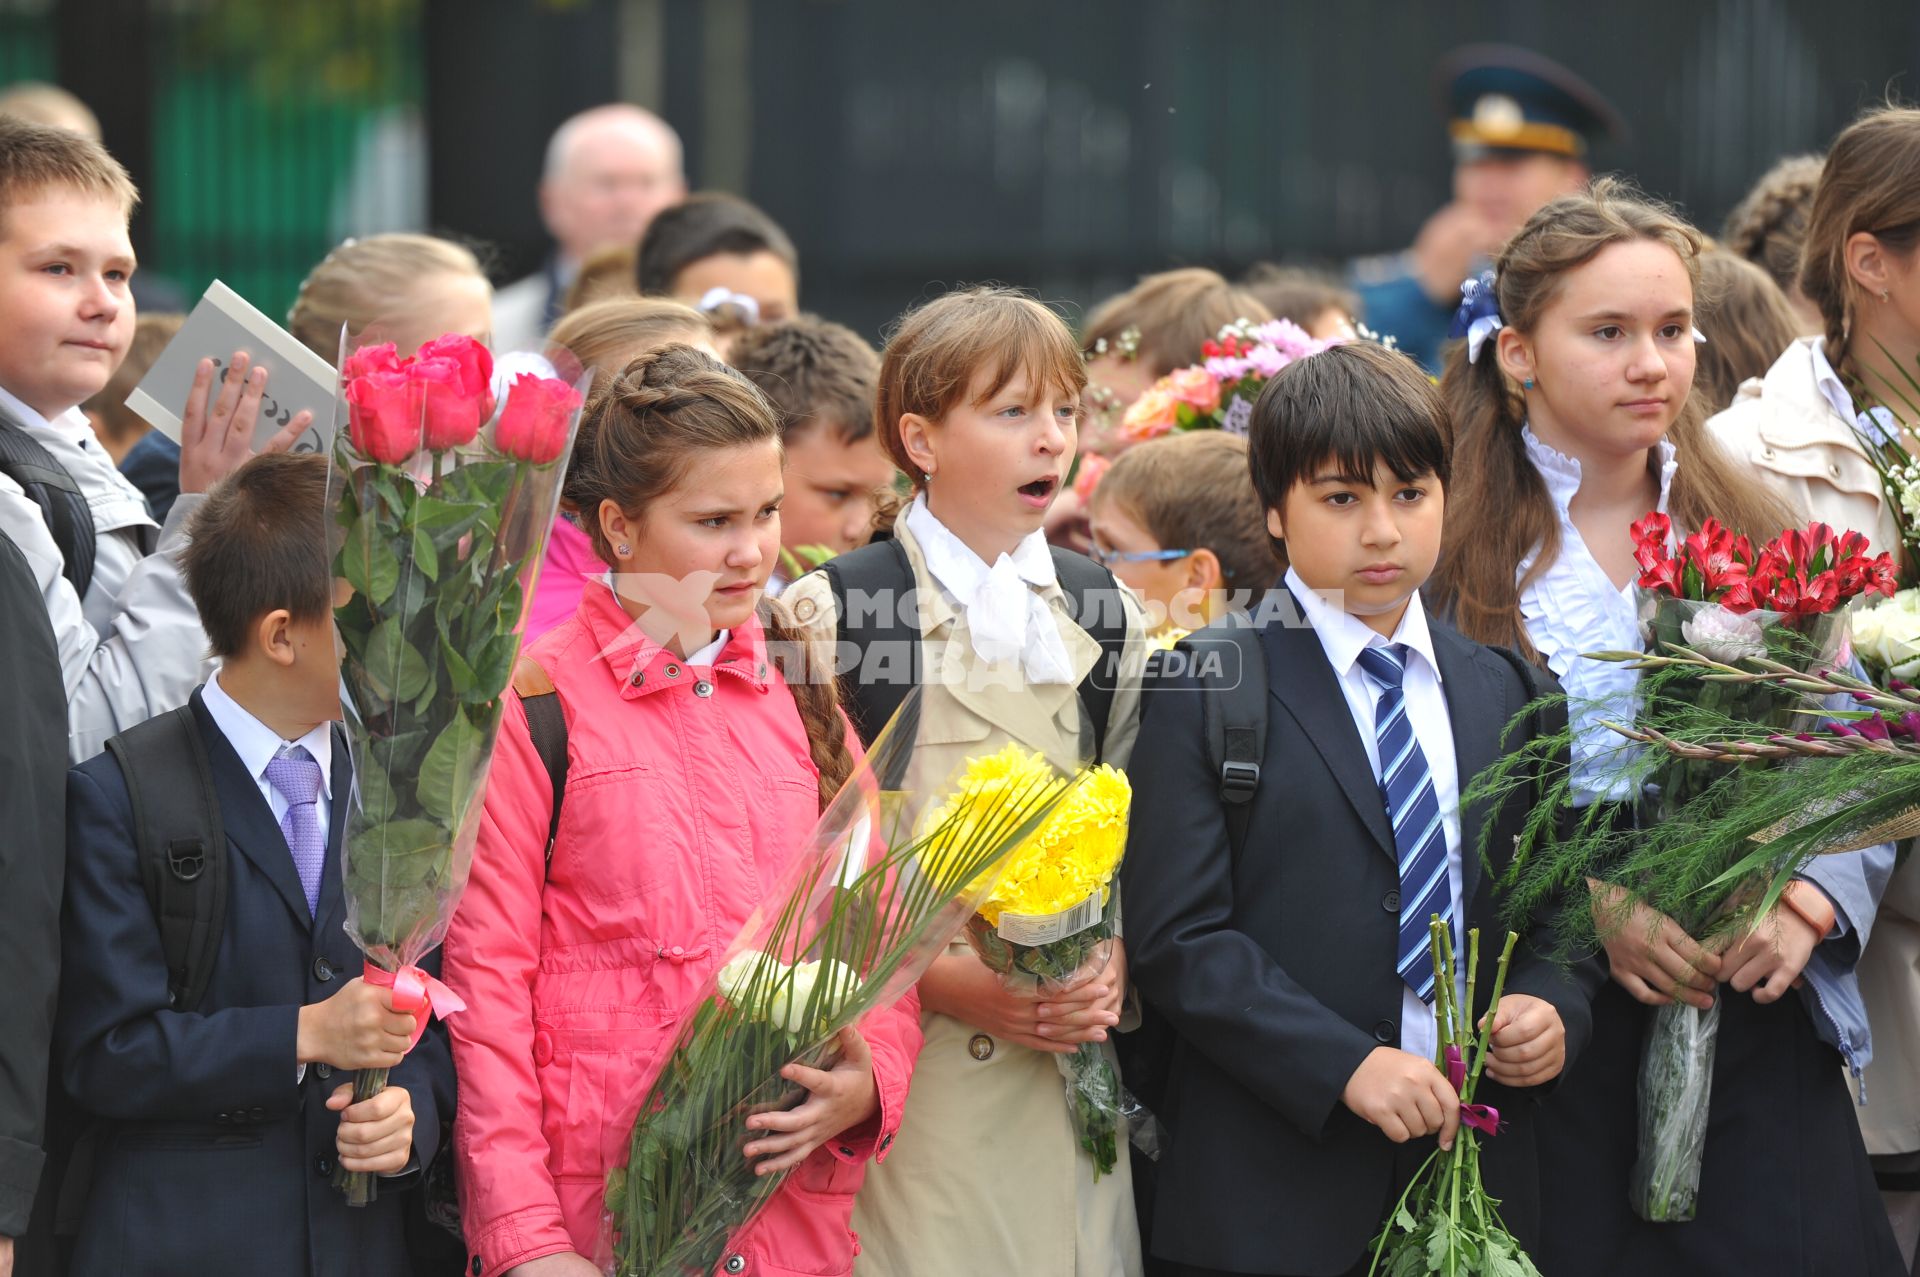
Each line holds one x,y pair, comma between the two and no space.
980,1047
1383,1032
736,1263
322,1167
323,1071
257,1114
703,688
222,1119
322,970
1391,902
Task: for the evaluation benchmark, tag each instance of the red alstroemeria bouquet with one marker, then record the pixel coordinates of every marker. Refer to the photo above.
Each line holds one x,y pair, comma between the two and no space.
439,524
1717,598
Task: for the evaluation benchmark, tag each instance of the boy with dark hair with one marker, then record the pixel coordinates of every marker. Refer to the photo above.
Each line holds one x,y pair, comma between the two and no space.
820,377
222,1097
1287,944
108,574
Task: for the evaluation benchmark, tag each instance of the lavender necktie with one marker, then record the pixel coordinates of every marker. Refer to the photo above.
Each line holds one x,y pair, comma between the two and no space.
295,774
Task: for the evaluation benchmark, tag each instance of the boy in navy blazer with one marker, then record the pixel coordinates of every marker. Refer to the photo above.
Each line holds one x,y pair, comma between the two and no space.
1303,1092
219,1125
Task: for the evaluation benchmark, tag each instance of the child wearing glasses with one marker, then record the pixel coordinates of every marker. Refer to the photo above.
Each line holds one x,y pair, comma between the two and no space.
1179,522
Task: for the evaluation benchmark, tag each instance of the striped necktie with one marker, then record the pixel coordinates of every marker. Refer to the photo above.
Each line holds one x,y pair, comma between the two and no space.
1419,837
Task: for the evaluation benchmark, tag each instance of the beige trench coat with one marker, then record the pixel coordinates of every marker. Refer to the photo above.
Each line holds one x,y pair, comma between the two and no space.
986,1175
1811,457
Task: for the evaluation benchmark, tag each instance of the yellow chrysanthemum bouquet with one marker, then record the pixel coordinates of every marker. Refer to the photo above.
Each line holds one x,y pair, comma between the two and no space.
1048,922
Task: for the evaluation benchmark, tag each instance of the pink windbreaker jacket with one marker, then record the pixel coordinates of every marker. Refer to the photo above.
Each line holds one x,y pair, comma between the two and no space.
687,790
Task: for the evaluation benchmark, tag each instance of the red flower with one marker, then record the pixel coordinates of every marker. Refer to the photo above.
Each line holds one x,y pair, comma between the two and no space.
533,425
1652,530
382,422
448,418
474,361
384,357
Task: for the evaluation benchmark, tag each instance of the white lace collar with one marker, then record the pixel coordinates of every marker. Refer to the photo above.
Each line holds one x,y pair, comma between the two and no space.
1008,617
1562,473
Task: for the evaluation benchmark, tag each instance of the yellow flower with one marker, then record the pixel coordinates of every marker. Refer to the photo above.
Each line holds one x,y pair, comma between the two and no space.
1072,855
993,796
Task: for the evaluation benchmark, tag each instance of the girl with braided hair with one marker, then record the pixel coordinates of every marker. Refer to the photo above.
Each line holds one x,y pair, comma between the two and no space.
1769,225
700,751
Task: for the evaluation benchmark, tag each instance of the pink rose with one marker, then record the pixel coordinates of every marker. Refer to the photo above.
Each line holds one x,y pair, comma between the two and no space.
384,357
448,416
475,362
533,425
1151,415
1196,388
1092,467
382,422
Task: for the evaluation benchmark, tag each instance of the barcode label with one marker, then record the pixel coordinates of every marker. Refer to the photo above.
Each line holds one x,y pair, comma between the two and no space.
1035,929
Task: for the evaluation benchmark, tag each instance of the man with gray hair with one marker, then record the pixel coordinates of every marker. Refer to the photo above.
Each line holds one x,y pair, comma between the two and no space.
608,171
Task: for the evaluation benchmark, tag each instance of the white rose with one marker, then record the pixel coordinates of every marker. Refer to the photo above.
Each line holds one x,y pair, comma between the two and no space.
1888,636
830,981
1720,635
747,970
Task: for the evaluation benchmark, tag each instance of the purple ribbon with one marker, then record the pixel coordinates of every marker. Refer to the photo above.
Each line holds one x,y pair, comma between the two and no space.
1481,1117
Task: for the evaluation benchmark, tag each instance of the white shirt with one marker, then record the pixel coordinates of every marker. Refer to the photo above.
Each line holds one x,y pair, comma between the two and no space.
1573,607
1876,423
1342,636
1007,615
257,744
133,647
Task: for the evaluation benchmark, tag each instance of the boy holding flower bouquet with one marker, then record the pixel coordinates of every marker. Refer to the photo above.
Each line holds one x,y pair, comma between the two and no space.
1291,957
221,1109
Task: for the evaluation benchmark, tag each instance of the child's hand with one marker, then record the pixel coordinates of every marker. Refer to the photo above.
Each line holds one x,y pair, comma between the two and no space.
1650,956
376,1135
214,443
843,1097
1404,1095
960,985
1769,959
1529,1042
1081,1004
356,1028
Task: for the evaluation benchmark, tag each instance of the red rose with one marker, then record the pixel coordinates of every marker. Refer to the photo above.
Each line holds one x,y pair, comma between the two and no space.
533,425
382,422
475,363
449,416
384,357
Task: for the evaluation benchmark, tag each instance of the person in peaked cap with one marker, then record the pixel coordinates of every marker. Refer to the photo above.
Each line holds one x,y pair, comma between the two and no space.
1521,126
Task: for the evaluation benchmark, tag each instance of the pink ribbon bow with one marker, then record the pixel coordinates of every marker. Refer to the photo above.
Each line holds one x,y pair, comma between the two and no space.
417,993
1481,1117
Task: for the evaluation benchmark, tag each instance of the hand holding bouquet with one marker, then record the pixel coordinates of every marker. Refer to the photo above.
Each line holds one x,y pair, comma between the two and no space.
1047,926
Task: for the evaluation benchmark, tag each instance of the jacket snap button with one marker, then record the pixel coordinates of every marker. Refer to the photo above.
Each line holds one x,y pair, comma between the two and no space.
980,1047
1391,902
323,1071
542,1048
1834,470
638,678
673,671
736,1263
322,970
478,1267
1383,1032
703,688
1767,453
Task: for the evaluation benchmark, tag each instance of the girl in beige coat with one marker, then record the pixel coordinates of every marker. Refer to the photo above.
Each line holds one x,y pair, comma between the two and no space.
979,402
1806,427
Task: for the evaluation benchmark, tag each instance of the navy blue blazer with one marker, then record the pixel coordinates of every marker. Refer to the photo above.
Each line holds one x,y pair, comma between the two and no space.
1275,968
213,1159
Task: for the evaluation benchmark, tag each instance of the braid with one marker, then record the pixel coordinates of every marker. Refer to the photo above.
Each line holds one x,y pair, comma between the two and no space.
1769,225
816,694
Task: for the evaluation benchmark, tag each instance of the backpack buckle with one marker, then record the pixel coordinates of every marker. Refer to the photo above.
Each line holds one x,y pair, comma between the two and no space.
186,858
1238,781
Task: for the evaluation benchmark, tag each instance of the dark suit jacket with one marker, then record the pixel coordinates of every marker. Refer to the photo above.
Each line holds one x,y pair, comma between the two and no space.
213,1159
32,850
1276,968
153,466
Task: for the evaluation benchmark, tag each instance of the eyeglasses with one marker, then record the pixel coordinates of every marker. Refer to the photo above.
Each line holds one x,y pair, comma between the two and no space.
1107,558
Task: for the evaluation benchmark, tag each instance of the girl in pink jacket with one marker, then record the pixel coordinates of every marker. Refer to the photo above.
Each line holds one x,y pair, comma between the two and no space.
694,771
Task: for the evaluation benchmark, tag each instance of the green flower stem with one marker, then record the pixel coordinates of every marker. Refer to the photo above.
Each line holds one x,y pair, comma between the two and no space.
360,1187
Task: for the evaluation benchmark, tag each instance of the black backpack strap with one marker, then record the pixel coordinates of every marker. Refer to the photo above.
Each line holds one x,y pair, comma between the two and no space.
1094,603
182,844
63,507
547,725
1233,710
878,576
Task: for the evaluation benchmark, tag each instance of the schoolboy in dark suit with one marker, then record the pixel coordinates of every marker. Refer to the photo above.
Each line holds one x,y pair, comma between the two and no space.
220,1124
1303,1093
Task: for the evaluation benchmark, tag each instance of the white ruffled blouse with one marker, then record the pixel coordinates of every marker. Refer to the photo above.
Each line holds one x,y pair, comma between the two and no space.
1574,607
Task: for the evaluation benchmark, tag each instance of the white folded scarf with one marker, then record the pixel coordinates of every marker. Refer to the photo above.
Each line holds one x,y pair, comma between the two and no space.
1007,618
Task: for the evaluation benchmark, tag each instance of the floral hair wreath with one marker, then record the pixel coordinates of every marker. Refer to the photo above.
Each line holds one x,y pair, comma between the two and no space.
1478,315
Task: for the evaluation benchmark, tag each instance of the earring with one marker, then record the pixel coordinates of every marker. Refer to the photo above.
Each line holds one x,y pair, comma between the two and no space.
1883,295
926,476
623,549
1527,384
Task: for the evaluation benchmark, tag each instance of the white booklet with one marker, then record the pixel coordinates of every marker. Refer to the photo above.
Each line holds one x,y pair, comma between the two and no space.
220,324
